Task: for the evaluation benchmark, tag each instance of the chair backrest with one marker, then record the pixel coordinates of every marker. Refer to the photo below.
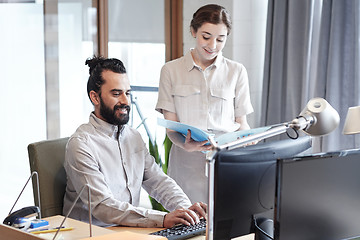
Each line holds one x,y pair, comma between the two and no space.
47,159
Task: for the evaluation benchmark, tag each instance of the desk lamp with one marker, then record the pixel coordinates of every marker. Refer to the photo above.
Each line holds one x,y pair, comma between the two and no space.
352,125
318,118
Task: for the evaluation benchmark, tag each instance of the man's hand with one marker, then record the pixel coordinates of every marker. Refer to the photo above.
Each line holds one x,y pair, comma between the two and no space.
188,216
200,209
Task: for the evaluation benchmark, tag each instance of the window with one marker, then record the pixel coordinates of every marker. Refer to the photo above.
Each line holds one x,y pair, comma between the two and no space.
137,38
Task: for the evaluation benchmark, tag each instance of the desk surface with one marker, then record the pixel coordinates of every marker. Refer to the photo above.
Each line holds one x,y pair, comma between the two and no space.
80,230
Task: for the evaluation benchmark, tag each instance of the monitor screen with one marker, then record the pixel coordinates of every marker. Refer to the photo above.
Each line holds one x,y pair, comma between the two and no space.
318,197
244,184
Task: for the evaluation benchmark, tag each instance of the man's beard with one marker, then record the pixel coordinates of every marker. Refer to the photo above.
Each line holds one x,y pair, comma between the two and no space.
110,114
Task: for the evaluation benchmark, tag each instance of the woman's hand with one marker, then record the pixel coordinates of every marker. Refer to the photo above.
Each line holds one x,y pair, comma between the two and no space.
191,145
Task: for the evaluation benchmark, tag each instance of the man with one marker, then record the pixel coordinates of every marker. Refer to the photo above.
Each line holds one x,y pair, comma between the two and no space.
113,160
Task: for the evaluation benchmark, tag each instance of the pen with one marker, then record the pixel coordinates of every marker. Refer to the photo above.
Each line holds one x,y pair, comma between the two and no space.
42,229
53,230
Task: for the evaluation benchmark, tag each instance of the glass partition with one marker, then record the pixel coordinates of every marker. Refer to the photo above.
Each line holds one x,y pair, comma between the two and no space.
22,99
43,52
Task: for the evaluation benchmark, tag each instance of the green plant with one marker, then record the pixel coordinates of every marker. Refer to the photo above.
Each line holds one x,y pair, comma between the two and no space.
167,146
154,151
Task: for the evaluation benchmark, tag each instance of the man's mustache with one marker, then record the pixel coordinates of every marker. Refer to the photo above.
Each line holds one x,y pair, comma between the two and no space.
127,107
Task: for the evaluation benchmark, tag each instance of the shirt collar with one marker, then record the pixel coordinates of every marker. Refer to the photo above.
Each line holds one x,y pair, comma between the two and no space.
190,64
218,59
105,127
189,61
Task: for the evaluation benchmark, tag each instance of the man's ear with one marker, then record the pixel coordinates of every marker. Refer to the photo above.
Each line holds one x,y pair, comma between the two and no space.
95,99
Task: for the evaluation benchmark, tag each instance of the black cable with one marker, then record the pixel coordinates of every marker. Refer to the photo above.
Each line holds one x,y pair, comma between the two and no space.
296,134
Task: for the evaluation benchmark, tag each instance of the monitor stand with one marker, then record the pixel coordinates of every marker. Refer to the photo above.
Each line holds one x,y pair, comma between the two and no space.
267,226
264,225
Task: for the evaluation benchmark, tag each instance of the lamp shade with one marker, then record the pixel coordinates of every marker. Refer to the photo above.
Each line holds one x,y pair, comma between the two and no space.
352,121
325,117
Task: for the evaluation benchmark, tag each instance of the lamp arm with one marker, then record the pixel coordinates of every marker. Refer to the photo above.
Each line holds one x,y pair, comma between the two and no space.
255,137
302,122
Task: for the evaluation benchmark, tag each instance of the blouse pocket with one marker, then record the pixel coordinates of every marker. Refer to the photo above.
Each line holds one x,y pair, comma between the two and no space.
188,102
222,104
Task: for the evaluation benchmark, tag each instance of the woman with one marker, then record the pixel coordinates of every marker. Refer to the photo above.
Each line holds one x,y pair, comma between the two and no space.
205,90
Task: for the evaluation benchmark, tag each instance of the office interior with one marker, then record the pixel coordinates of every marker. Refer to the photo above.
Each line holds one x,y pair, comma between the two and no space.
291,50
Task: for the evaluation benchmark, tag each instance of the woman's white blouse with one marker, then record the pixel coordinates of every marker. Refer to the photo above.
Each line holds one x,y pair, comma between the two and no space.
209,99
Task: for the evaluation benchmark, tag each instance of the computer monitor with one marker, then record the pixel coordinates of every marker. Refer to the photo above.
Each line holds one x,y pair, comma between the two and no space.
244,184
318,197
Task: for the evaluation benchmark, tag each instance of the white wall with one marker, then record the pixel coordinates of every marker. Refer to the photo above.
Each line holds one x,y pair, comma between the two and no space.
246,43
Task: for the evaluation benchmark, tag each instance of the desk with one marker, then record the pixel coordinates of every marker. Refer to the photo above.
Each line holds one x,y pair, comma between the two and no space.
81,230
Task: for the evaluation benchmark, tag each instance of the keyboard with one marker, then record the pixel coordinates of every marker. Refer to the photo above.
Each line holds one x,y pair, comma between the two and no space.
183,231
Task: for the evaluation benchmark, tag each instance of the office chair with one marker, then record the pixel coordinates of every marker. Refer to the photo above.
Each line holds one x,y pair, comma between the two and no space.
47,159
